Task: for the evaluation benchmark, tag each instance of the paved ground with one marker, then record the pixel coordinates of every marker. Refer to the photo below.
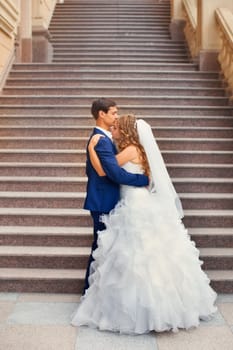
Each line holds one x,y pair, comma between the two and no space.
41,322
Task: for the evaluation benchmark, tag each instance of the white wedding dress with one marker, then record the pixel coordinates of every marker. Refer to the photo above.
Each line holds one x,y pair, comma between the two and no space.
147,274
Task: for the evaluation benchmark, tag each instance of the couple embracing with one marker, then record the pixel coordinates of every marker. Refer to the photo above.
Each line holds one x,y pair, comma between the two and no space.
144,272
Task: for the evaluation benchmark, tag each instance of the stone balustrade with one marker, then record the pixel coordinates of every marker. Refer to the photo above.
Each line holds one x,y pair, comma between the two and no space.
191,28
224,18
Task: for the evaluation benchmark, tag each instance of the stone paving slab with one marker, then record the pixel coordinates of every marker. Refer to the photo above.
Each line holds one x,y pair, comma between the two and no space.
202,338
38,321
30,337
89,339
42,313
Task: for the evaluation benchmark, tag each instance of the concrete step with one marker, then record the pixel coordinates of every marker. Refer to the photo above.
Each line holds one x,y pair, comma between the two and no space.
72,280
67,155
78,217
41,280
78,184
138,110
119,91
165,143
84,131
9,199
46,236
212,237
154,121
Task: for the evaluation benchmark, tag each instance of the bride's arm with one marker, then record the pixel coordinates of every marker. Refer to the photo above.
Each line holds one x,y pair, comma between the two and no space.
93,155
128,154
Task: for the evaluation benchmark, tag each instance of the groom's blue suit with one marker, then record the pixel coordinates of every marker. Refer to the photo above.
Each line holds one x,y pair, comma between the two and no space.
103,192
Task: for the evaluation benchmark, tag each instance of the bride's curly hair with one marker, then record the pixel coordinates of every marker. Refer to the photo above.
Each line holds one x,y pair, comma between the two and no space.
129,136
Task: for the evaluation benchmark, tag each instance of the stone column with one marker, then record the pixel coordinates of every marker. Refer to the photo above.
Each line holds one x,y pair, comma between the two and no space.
25,35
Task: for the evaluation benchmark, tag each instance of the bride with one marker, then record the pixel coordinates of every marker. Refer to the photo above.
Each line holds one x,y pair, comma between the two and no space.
146,274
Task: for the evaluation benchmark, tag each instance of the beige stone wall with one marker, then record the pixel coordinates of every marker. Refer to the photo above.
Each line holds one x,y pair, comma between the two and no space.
8,30
210,39
42,12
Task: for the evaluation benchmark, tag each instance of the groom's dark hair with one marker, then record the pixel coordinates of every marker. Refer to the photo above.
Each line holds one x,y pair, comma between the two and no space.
102,104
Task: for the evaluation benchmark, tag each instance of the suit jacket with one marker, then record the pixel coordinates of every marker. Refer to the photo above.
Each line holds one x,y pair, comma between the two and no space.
103,192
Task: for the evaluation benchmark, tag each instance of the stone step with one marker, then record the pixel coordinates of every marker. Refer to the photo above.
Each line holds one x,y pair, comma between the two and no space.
44,257
46,236
72,280
188,170
61,84
78,217
82,236
205,201
135,58
118,67
44,217
154,121
41,280
119,91
77,257
121,46
221,280
43,142
114,32
85,131
139,110
9,199
212,237
50,183
109,74
121,100
67,155
78,184
49,169
90,16
208,218
217,258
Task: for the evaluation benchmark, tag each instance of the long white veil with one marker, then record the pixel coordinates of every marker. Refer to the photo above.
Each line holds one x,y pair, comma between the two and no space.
160,180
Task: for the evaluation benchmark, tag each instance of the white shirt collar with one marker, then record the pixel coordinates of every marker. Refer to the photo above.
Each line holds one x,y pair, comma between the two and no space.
106,132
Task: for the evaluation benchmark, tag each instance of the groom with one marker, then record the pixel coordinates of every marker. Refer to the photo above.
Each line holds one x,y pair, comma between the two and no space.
103,192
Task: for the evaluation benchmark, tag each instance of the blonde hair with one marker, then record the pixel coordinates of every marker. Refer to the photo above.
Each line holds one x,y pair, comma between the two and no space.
129,136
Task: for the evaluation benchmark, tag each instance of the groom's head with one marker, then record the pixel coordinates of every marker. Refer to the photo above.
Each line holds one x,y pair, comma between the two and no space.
104,112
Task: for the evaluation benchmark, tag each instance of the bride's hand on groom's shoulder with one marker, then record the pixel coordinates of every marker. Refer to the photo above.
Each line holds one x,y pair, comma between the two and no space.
94,140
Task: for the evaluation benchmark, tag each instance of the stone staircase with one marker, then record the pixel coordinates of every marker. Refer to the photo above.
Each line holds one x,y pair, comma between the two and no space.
122,50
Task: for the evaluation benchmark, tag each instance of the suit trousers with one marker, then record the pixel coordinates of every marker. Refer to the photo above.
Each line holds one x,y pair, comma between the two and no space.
97,226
